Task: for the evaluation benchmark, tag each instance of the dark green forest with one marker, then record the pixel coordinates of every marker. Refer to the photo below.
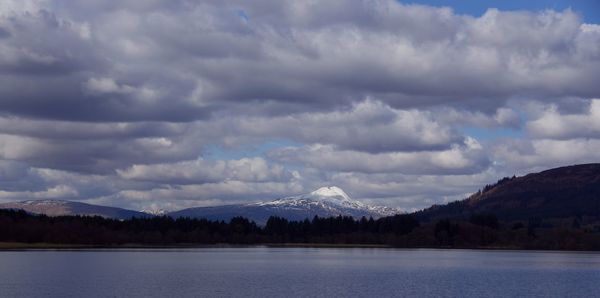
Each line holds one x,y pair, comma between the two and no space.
478,231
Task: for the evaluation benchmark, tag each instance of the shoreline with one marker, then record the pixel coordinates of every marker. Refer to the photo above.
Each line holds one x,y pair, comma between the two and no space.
4,246
19,246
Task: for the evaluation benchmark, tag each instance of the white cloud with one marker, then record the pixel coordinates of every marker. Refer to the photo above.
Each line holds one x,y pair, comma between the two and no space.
532,155
106,85
552,124
369,126
467,158
195,195
412,192
57,192
590,28
204,171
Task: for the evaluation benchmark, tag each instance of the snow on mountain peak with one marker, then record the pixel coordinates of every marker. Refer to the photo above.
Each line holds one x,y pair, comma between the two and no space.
154,211
44,202
330,191
332,201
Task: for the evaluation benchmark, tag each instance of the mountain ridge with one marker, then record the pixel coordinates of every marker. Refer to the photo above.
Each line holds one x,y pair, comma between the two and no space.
563,192
63,208
323,202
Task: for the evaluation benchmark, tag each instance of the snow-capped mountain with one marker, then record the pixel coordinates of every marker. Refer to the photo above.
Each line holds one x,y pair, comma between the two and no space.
333,199
60,207
323,202
154,211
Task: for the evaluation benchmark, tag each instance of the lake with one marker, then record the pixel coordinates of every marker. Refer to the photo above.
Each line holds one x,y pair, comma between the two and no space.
298,272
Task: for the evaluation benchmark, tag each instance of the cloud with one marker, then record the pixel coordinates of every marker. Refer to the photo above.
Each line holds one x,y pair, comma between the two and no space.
106,85
196,195
413,192
368,126
503,117
203,171
123,103
405,55
554,125
532,155
58,192
467,158
67,130
94,156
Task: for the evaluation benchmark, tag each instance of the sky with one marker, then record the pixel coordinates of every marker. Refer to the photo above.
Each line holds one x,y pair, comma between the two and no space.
171,104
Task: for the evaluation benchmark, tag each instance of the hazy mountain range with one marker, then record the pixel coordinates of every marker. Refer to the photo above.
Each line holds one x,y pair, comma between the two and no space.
324,202
60,207
572,191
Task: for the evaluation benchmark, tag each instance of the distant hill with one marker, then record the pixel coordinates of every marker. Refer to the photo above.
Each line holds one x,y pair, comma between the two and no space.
324,202
560,193
59,207
571,191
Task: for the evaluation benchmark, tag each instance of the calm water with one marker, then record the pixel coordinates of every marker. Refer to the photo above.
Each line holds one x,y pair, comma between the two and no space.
298,272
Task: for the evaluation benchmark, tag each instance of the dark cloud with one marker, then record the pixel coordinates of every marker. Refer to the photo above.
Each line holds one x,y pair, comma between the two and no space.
4,33
95,156
179,59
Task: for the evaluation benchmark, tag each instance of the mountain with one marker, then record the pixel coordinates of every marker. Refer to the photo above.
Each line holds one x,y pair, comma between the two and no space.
154,211
59,207
565,192
324,202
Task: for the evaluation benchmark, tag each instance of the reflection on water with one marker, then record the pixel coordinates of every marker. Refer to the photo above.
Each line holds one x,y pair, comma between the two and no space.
298,272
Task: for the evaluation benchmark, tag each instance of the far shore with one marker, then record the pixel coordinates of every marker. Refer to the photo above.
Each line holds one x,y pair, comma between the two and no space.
20,246
55,246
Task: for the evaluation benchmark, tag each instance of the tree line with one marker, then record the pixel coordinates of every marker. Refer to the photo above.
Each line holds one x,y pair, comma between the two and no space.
476,231
20,226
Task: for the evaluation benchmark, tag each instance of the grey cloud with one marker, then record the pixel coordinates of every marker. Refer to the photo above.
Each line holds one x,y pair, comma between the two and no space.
47,129
503,117
209,194
101,156
17,176
22,182
288,55
57,192
468,158
45,77
58,49
371,93
534,155
204,171
369,126
412,192
4,33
